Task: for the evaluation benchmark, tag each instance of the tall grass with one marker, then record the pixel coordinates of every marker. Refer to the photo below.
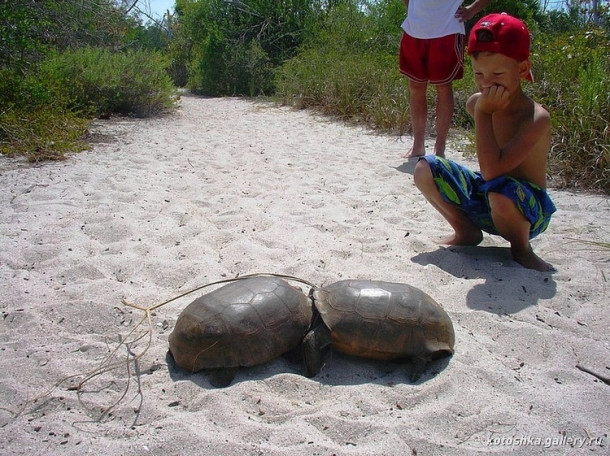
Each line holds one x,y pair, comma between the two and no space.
363,87
573,82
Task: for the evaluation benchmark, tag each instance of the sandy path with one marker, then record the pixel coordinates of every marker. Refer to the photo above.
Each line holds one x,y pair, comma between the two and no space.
226,187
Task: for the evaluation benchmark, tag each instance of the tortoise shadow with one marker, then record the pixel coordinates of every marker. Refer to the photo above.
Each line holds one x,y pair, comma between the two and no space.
508,287
344,370
340,370
277,366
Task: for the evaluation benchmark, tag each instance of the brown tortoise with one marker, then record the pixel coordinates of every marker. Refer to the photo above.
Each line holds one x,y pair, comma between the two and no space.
244,323
378,320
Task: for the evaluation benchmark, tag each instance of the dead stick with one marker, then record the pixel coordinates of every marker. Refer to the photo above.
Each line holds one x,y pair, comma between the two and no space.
603,378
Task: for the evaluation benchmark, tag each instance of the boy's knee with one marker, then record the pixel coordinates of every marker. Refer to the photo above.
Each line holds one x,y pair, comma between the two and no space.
422,174
500,204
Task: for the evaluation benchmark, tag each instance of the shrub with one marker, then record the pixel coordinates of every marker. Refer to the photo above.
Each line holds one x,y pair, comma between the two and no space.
46,114
41,133
96,81
220,68
34,123
350,85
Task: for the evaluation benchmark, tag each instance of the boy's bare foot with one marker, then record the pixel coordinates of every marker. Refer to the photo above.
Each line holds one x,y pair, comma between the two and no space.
530,260
466,238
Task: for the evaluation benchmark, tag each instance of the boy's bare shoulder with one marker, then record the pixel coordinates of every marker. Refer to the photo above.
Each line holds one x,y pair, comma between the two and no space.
541,117
541,111
472,101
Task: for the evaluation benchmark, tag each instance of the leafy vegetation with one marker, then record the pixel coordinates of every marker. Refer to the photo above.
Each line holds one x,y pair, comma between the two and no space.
232,47
63,62
97,82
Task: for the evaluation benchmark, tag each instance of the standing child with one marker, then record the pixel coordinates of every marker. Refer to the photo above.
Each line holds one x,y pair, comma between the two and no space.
513,137
432,51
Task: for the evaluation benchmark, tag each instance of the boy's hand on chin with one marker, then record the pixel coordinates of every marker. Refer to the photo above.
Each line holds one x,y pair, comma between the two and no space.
492,99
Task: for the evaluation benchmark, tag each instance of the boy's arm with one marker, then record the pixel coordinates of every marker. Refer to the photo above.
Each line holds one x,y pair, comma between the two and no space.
494,160
465,13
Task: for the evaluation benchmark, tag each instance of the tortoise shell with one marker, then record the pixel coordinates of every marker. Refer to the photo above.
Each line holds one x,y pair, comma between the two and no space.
384,320
244,323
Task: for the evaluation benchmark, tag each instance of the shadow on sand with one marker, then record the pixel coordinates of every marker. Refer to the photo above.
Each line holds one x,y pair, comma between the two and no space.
340,370
508,287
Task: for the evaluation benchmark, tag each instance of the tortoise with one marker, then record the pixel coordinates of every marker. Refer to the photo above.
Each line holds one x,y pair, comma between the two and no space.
244,323
378,320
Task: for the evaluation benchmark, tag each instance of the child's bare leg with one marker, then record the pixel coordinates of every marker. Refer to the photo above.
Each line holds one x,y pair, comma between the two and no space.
418,106
513,227
465,232
444,114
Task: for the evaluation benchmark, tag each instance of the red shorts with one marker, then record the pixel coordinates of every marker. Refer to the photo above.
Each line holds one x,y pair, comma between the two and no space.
434,60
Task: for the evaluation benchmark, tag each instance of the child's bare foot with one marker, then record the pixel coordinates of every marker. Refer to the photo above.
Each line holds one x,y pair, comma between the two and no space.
466,238
530,260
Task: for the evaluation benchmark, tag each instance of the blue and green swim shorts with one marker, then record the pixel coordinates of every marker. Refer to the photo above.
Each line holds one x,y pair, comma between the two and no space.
468,190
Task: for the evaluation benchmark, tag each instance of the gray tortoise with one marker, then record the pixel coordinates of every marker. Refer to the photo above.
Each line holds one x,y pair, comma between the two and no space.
244,323
378,320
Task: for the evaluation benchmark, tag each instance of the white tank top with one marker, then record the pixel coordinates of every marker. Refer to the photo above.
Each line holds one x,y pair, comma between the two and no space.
433,18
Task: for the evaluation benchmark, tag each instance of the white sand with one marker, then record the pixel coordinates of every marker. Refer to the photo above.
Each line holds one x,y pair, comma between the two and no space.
227,187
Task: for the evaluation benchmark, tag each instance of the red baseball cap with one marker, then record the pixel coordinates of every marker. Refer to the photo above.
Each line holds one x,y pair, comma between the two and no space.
501,33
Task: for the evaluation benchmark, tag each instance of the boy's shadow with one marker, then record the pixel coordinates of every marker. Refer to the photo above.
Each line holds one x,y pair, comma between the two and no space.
508,287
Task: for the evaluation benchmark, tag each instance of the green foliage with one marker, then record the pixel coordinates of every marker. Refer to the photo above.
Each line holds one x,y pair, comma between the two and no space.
346,69
52,76
30,29
572,72
231,48
45,114
528,10
96,81
35,124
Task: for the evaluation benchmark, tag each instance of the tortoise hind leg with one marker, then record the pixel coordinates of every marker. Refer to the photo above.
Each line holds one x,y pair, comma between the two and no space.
315,347
221,378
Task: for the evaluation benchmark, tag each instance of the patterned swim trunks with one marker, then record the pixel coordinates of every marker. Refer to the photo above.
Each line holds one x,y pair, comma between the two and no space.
468,190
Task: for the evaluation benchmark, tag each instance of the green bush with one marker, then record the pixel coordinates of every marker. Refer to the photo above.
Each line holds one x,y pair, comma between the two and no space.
345,69
46,114
218,68
96,81
231,48
360,87
34,123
